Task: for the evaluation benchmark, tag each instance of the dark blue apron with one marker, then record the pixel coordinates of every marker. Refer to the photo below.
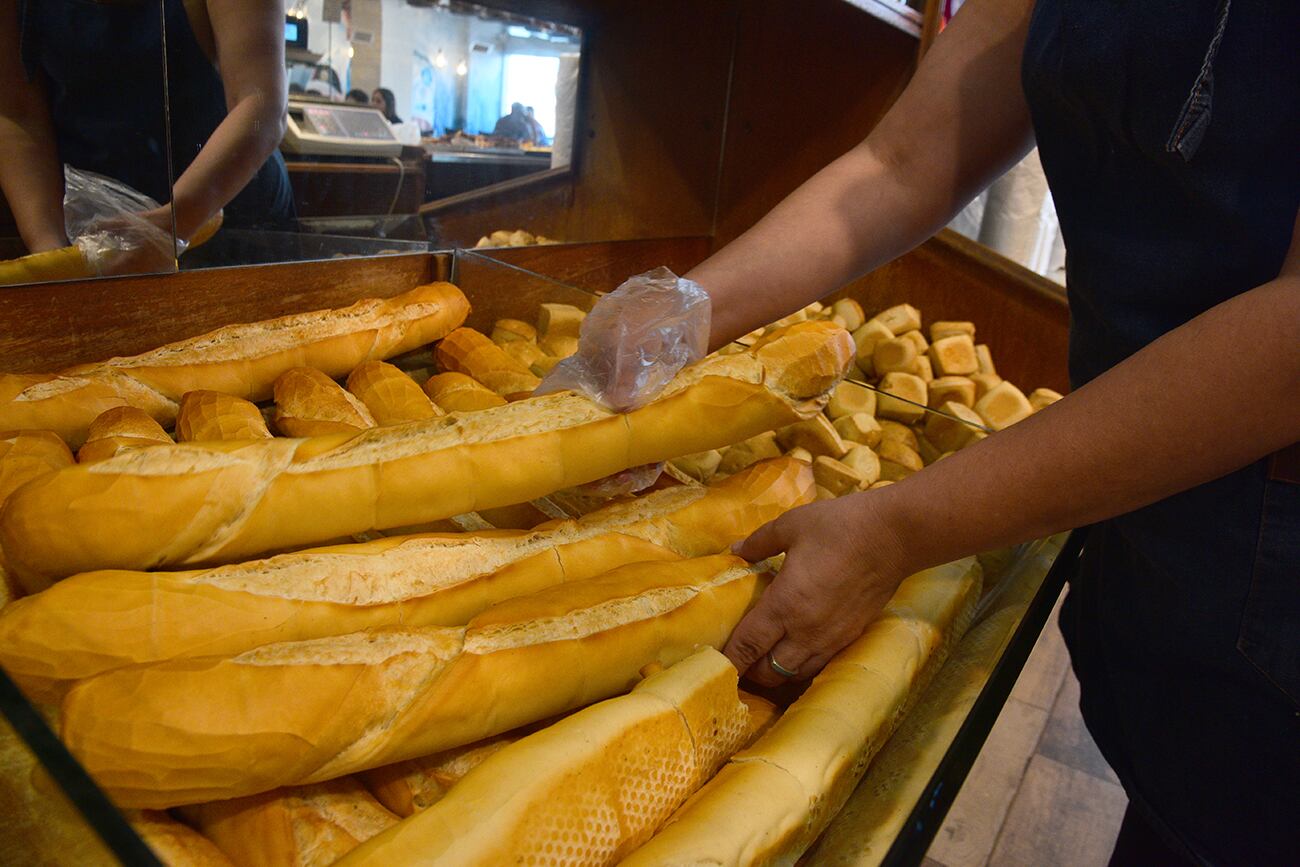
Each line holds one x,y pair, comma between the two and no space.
1169,131
102,65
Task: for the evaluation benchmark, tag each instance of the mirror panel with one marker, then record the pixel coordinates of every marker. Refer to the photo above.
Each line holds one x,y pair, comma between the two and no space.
83,97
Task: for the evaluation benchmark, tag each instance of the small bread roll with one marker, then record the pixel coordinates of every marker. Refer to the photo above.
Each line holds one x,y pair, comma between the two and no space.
984,383
559,320
894,355
899,433
954,356
1003,405
558,346
859,428
799,453
985,359
849,398
865,339
543,365
958,389
942,329
902,397
209,416
700,466
470,352
512,330
949,434
918,340
120,429
308,403
864,462
850,312
892,450
757,448
1041,397
456,392
391,396
816,434
900,318
923,367
837,477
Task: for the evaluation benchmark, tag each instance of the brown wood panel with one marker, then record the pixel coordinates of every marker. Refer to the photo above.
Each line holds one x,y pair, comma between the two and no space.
602,266
811,79
46,327
650,132
1021,316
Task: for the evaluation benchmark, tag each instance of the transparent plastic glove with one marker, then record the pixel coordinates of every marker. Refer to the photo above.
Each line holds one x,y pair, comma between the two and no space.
117,229
635,340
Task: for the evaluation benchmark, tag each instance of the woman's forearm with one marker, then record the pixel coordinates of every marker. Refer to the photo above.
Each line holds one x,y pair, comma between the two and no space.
1206,399
32,181
960,123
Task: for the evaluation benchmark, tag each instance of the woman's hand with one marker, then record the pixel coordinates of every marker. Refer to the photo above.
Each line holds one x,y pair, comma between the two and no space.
843,562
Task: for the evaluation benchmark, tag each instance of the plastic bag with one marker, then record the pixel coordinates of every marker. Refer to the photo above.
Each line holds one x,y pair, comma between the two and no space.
104,218
635,340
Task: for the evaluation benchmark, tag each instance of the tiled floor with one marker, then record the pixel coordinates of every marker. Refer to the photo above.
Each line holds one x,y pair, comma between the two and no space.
1040,794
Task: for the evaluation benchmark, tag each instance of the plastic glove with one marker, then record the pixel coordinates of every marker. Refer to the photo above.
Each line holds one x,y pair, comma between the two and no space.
635,340
117,229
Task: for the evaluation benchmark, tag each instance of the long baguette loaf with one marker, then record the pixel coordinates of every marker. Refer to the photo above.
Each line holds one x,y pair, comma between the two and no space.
239,359
305,826
587,790
190,731
98,621
219,502
26,455
774,798
408,787
174,843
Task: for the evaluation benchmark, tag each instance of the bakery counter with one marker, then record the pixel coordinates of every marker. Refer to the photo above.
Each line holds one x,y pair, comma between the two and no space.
364,710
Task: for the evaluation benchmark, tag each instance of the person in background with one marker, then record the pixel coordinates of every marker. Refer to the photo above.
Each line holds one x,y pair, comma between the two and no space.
514,125
59,103
537,134
358,96
383,99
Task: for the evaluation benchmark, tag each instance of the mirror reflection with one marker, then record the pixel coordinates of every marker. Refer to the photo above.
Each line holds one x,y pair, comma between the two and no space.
85,138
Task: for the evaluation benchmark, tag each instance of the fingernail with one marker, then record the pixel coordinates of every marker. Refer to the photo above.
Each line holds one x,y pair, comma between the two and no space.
735,547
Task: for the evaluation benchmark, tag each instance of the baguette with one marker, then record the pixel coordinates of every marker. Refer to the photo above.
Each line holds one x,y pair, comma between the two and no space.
774,798
470,352
243,360
391,396
587,790
306,826
218,502
26,455
98,621
190,731
118,430
456,392
408,787
175,844
308,403
211,415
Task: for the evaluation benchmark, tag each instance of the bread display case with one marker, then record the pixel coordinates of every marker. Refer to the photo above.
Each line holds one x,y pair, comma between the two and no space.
144,728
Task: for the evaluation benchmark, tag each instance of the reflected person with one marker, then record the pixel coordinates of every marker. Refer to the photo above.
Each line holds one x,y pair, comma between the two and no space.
75,80
514,125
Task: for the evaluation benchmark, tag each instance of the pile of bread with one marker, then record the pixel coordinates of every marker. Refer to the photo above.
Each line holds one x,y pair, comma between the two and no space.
513,238
907,403
391,624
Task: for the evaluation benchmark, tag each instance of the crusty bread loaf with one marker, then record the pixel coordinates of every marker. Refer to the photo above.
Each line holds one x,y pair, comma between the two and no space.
197,730
218,502
309,404
242,360
587,790
774,797
863,831
174,843
26,455
303,826
118,430
456,392
408,787
391,396
211,416
470,352
98,621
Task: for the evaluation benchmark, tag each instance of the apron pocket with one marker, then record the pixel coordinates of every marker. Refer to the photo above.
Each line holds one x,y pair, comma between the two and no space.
1270,626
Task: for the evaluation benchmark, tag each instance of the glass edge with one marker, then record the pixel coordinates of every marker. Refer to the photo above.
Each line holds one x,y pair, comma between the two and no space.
927,815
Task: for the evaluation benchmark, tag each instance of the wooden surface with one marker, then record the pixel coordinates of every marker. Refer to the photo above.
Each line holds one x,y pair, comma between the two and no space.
1040,793
353,189
46,327
601,267
811,80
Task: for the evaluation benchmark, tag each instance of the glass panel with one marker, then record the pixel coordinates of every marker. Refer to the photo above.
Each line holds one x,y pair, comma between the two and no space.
82,97
390,105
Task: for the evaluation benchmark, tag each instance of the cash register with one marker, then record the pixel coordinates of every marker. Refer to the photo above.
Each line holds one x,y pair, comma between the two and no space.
334,129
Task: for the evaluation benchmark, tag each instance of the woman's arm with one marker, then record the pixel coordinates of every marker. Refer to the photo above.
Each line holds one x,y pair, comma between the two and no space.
249,37
1205,399
31,176
959,125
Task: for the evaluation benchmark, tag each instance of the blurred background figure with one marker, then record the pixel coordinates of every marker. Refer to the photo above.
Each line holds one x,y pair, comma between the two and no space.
384,100
358,96
515,124
537,135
